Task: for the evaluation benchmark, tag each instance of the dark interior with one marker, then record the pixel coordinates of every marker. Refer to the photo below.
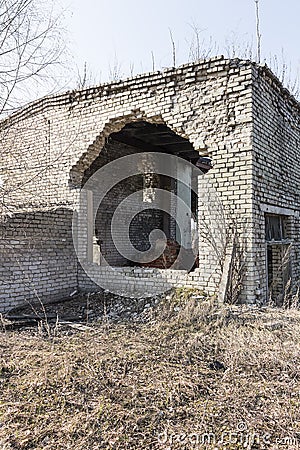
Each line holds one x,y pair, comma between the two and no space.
151,137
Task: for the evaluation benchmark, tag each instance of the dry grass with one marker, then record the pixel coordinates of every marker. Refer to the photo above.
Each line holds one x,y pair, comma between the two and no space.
194,368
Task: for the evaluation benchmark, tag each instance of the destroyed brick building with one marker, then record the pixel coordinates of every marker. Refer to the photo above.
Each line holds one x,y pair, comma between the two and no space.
230,118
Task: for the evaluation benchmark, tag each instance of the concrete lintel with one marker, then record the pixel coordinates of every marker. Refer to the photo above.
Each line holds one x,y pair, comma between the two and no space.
272,209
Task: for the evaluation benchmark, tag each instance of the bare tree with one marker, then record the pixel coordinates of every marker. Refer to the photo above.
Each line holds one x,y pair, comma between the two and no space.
153,61
173,48
31,44
115,70
32,56
200,48
237,46
258,33
86,77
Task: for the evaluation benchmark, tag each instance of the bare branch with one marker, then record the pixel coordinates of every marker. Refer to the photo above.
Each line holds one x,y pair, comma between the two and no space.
30,44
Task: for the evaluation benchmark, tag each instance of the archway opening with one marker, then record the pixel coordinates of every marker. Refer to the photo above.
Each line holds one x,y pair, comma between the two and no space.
140,137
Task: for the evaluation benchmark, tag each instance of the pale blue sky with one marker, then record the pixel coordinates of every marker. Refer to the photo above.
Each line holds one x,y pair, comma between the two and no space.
129,31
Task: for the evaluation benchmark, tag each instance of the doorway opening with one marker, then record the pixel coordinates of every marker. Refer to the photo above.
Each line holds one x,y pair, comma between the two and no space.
278,248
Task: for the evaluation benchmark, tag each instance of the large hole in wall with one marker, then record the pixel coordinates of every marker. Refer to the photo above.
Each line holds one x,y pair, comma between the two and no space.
138,137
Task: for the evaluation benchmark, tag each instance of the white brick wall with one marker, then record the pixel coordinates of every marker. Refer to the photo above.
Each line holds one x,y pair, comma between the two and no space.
228,109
